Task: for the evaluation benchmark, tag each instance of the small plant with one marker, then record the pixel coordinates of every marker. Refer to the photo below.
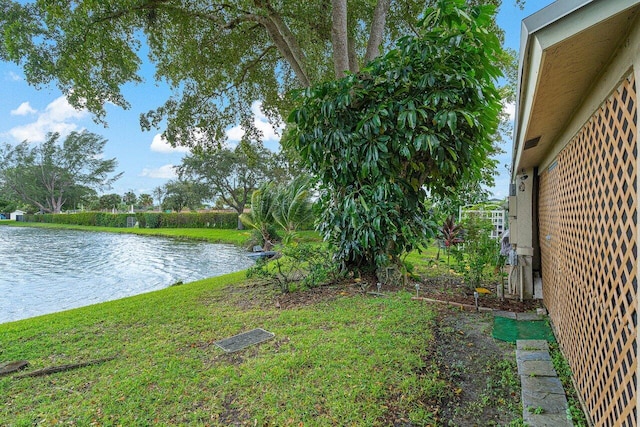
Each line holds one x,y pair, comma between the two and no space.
537,410
260,218
301,265
479,251
560,364
450,235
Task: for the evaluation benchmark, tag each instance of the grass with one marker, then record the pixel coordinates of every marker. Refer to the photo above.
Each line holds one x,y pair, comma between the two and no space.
352,361
560,364
235,237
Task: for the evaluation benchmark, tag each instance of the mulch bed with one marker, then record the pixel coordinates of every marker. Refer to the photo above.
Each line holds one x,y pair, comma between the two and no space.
452,289
442,288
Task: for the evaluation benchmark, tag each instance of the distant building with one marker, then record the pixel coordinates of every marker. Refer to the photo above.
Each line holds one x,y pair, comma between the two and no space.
16,215
493,212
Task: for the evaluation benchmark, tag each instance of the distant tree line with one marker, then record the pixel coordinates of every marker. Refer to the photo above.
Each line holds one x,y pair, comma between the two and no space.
65,175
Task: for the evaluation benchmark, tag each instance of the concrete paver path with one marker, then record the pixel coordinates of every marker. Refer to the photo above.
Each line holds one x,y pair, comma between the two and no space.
543,399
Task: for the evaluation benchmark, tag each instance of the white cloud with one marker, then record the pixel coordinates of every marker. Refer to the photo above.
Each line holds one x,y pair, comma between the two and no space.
160,145
163,172
58,116
235,133
23,110
261,122
13,76
510,109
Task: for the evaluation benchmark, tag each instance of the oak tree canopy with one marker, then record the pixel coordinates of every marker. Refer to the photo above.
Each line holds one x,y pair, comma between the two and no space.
217,56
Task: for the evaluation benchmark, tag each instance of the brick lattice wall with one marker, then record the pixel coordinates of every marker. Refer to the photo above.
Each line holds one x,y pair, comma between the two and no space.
588,239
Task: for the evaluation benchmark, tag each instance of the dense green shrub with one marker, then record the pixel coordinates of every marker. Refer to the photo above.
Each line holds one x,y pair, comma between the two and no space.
419,121
219,220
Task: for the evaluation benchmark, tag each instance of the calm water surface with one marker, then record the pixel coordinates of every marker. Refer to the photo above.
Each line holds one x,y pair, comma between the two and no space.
44,271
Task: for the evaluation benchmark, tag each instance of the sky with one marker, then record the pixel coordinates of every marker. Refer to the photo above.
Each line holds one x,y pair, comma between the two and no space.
28,113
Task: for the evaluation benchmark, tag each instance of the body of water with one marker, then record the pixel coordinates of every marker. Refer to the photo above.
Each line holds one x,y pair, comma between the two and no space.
48,270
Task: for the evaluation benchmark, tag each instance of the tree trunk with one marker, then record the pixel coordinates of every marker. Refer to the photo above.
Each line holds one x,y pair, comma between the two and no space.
240,224
354,66
339,37
377,29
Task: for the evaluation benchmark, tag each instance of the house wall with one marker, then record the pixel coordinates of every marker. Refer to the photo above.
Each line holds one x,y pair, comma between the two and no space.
588,236
14,216
589,243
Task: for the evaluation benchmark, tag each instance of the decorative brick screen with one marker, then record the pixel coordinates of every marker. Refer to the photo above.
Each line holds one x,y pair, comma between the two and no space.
588,237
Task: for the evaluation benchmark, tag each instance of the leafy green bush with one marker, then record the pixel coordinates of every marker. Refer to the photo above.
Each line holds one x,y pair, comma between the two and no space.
419,120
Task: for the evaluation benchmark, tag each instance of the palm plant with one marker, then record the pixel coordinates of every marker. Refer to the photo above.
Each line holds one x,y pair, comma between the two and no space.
292,207
261,215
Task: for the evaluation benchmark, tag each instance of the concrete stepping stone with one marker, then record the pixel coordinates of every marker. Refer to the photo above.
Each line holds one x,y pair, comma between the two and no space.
544,402
245,339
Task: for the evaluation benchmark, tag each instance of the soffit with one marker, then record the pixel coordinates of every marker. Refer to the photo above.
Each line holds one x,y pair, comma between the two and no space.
568,66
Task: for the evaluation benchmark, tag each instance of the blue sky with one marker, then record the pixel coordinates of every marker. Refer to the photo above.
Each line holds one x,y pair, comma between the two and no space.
28,114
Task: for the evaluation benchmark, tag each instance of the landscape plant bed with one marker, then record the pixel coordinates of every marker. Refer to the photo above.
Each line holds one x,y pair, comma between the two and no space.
446,289
452,289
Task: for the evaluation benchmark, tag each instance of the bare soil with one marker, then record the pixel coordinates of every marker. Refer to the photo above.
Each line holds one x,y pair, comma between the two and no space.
453,289
480,369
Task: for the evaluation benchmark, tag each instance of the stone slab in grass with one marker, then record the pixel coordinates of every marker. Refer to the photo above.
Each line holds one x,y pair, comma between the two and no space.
245,339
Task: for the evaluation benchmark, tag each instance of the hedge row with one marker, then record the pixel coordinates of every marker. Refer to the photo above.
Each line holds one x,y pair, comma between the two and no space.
220,220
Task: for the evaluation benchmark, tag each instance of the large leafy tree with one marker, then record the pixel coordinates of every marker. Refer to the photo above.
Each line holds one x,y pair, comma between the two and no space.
182,193
231,175
217,55
81,197
49,174
129,198
420,119
110,201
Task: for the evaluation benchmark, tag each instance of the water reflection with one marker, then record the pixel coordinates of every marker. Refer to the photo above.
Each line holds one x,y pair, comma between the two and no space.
44,271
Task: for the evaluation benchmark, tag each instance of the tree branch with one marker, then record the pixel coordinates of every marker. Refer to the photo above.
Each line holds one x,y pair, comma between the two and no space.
285,50
289,38
354,67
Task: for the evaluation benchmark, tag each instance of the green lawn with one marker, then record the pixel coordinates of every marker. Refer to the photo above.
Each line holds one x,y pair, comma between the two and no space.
236,237
351,361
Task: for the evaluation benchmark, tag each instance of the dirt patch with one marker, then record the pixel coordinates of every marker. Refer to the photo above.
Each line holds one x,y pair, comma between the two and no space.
481,371
453,289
